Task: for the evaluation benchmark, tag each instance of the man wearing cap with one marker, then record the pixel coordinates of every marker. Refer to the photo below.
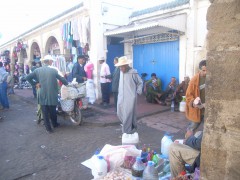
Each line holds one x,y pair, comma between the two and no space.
48,90
78,71
105,82
130,85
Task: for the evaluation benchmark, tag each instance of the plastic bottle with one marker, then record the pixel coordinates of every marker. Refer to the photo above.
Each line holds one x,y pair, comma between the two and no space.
144,149
100,168
165,143
182,105
150,155
94,157
150,173
165,169
155,159
137,169
172,106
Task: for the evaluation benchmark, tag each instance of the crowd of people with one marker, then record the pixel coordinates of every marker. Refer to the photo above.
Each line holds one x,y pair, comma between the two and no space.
173,92
126,85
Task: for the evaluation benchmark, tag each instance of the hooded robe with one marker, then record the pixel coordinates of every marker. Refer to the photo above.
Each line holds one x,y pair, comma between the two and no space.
130,85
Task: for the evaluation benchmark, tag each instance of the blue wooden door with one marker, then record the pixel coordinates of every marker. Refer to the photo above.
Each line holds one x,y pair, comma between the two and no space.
160,58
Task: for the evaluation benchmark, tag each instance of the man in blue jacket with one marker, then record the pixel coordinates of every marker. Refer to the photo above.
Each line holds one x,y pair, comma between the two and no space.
187,153
78,70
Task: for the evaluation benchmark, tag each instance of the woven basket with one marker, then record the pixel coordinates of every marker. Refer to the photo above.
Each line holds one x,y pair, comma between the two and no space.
67,104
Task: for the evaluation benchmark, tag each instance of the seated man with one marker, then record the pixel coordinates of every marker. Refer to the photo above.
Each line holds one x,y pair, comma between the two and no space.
153,89
181,89
186,153
168,94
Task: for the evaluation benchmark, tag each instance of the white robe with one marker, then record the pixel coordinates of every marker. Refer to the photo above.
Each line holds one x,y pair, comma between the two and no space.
130,84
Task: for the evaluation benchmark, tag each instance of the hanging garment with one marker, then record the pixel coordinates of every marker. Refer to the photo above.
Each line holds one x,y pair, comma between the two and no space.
75,29
79,24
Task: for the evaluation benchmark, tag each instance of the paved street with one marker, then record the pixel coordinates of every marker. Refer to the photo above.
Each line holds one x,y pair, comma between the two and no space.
28,152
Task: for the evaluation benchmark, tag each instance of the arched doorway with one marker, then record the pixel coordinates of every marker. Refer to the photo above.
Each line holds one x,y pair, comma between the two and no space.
35,53
52,46
21,58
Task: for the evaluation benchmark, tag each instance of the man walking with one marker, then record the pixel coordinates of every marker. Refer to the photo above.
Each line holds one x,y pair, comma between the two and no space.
3,87
78,71
48,91
130,85
195,97
105,83
115,76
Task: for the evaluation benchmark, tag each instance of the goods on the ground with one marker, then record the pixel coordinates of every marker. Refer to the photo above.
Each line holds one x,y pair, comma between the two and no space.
137,169
100,167
130,139
150,173
165,143
115,155
118,174
129,161
155,159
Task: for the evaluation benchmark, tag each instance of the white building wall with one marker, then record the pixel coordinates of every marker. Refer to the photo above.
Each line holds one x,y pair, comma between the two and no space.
196,35
182,57
104,15
115,13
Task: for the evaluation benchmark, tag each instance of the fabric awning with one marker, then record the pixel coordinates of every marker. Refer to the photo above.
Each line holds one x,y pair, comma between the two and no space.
177,22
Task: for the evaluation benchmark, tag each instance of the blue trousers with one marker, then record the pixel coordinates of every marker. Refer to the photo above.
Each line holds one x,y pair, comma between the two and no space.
3,95
105,88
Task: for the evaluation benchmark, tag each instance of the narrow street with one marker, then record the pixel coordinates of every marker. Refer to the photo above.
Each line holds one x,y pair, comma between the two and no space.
28,152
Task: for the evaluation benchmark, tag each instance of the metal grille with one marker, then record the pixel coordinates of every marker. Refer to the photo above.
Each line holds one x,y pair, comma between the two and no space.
154,38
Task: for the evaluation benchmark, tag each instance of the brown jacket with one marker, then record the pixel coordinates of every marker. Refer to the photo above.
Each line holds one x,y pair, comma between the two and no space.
193,114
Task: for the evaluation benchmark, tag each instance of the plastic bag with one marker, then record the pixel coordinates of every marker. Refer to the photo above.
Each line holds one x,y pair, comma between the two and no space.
196,174
114,155
64,92
68,92
73,91
90,91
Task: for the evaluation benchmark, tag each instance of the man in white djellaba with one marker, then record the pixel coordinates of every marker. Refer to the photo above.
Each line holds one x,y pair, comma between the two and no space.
130,84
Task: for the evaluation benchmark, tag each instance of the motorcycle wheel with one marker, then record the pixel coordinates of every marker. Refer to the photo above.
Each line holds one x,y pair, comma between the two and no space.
76,118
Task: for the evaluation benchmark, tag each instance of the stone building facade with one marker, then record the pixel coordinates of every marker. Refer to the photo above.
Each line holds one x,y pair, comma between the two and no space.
220,158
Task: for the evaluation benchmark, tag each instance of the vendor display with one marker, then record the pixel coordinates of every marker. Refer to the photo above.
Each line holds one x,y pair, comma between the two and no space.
126,162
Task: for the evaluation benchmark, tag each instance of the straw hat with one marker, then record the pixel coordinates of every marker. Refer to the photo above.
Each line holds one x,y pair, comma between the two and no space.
123,61
47,57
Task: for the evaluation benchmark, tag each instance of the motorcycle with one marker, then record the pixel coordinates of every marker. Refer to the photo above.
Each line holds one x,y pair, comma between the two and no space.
71,109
